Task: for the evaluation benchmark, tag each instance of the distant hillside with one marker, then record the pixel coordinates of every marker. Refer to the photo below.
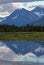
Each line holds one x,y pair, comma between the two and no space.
39,22
22,17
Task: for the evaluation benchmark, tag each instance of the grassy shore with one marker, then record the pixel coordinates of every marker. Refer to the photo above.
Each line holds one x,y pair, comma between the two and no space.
21,35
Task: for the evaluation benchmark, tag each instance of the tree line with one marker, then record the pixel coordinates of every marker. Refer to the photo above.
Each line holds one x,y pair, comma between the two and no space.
26,28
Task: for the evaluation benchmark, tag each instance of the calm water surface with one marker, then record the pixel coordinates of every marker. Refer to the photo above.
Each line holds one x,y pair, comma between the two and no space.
26,46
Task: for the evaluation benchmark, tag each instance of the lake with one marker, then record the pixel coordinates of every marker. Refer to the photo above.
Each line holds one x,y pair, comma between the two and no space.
23,50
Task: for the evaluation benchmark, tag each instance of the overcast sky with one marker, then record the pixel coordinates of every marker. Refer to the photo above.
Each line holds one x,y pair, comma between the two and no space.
7,8
7,1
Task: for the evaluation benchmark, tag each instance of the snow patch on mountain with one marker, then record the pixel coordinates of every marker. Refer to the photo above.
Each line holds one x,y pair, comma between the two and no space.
2,19
39,49
39,14
15,17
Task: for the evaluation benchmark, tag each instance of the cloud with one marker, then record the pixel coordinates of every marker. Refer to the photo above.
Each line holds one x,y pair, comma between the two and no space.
7,1
4,14
8,8
1,7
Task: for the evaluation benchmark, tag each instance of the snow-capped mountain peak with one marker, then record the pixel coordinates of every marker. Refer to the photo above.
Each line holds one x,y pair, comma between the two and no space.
23,16
39,49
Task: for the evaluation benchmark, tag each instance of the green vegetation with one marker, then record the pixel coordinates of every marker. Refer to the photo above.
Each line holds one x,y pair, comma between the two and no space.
27,32
26,28
22,35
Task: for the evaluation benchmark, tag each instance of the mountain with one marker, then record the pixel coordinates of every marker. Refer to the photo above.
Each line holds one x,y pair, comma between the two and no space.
6,53
22,16
18,50
20,47
39,11
39,22
2,19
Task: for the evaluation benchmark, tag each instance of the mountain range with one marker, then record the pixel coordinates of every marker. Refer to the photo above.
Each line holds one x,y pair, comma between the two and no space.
18,50
22,16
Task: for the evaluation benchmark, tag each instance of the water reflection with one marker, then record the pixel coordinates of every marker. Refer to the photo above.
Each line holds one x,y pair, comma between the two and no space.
22,50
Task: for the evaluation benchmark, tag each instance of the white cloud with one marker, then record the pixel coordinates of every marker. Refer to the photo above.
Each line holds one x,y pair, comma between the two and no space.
6,9
4,13
30,54
8,1
1,7
4,49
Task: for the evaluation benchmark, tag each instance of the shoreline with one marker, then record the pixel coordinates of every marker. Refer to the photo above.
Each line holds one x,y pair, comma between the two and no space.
21,35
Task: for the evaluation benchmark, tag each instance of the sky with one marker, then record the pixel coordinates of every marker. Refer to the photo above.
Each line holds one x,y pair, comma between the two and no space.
7,1
7,8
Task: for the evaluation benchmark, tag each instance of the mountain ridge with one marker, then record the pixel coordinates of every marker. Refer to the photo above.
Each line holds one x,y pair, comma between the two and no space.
22,17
